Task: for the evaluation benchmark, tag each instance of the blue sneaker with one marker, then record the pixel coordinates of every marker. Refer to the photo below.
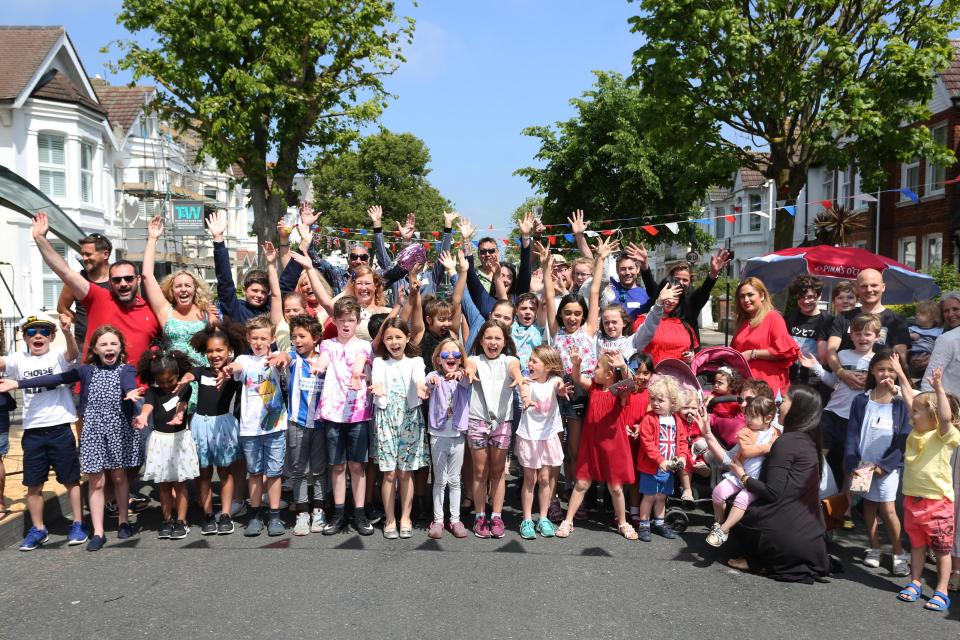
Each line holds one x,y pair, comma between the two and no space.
77,535
35,537
124,531
96,543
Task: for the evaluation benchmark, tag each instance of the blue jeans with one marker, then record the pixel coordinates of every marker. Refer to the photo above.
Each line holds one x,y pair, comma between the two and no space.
265,453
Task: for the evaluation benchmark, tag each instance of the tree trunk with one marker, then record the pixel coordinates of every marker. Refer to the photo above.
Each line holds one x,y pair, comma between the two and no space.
789,181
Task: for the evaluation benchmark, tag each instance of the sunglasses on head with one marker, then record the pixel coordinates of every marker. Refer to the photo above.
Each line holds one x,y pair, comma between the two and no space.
43,331
487,252
362,257
742,400
119,279
450,354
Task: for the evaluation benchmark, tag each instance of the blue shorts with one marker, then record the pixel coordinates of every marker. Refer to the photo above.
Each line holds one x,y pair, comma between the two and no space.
4,443
216,438
833,431
575,408
264,453
48,447
347,441
662,482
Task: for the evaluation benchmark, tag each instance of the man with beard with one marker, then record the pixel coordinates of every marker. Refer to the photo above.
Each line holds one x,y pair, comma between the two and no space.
95,251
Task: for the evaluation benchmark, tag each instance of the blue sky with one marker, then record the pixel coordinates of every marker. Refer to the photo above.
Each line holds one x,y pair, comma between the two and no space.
477,74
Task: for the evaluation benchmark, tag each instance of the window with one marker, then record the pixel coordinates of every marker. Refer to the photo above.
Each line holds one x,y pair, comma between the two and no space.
860,244
936,174
908,251
86,172
210,192
910,177
846,187
755,205
932,250
51,282
53,165
147,176
721,223
827,184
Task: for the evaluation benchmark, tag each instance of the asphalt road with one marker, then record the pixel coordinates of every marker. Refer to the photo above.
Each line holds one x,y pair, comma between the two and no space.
594,584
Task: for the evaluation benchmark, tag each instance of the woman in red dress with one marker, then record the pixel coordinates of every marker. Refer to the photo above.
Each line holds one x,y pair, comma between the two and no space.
762,336
674,338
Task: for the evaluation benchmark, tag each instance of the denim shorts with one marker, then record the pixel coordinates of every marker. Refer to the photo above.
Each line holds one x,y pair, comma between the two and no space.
264,453
216,438
48,447
574,408
652,484
347,441
4,443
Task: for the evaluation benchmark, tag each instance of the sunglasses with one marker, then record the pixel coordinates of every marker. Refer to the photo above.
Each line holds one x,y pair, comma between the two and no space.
362,257
43,331
449,354
119,279
487,252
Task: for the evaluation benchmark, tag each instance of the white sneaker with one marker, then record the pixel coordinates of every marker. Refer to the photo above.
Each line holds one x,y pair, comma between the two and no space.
302,527
716,537
871,558
318,521
901,565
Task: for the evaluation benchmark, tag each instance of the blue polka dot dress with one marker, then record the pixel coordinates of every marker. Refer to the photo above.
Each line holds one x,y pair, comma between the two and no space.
108,441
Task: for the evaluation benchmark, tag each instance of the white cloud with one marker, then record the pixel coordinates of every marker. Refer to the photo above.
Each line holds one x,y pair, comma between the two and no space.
428,56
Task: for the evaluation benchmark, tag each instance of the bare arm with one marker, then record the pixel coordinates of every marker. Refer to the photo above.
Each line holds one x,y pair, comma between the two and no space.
276,298
549,292
66,326
906,389
158,303
944,415
415,316
603,250
65,303
77,284
579,227
303,259
451,265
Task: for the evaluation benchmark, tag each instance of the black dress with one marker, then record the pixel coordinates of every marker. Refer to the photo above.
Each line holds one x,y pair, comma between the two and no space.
783,531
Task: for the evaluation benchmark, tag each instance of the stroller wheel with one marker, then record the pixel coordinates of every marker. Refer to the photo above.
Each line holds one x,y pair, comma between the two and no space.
677,520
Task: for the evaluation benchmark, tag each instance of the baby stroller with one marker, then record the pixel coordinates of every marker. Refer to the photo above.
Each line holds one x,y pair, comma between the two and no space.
707,362
679,511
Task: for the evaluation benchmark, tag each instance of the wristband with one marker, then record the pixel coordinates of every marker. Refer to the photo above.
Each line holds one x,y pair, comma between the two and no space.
448,229
377,230
744,478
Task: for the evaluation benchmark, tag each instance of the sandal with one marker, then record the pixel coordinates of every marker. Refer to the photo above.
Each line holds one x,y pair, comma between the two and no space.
739,564
627,531
954,584
910,593
933,605
565,529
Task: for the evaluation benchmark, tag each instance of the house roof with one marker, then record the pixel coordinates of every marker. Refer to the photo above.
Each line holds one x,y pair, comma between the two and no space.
123,104
753,178
22,51
951,75
55,85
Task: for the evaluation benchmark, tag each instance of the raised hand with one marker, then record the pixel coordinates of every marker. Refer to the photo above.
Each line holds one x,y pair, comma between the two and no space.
40,226
306,235
155,227
936,379
376,215
217,225
447,262
269,252
577,223
718,262
462,265
808,361
300,259
526,224
449,218
66,323
307,215
605,247
408,228
466,229
639,254
669,293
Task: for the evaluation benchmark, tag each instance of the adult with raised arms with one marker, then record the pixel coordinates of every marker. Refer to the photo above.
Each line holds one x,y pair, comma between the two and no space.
95,250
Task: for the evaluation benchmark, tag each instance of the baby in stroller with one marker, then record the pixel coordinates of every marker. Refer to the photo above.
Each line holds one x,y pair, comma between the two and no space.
726,418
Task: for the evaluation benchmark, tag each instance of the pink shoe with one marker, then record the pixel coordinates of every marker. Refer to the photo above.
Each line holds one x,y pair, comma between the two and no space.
458,530
480,527
435,531
496,528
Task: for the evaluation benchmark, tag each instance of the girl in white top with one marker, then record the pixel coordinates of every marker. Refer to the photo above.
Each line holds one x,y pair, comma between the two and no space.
398,386
538,446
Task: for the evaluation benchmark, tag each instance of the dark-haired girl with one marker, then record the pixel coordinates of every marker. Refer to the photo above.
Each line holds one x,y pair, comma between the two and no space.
171,452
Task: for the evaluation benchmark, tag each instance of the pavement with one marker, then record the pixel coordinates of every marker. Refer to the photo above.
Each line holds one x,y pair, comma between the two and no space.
594,584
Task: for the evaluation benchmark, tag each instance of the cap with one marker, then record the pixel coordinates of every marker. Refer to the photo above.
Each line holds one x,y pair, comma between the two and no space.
37,318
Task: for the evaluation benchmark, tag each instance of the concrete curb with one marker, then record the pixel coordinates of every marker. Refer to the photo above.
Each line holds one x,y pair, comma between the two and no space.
55,510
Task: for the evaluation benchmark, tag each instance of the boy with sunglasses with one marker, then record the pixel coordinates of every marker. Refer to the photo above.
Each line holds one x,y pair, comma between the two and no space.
47,413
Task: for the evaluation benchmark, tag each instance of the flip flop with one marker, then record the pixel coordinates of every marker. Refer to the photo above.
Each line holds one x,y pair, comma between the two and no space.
933,605
910,593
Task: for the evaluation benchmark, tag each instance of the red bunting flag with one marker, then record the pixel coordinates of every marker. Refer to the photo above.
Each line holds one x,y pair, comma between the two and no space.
730,219
737,209
426,246
397,233
506,241
366,244
952,180
607,232
826,204
436,234
552,240
345,230
650,229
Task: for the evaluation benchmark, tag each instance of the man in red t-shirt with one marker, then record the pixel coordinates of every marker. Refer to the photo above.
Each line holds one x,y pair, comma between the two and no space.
121,306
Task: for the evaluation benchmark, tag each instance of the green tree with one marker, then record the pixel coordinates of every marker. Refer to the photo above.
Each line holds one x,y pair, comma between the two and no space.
386,169
815,81
263,80
609,163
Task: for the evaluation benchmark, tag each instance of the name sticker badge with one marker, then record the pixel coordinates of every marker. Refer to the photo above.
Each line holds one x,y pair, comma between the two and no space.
171,404
208,381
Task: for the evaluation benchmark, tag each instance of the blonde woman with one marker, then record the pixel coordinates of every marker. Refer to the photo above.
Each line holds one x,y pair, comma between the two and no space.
762,336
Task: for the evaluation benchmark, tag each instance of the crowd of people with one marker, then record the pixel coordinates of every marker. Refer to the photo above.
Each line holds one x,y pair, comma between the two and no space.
315,381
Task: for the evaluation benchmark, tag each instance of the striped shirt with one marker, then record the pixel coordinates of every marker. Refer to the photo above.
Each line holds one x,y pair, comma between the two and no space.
303,392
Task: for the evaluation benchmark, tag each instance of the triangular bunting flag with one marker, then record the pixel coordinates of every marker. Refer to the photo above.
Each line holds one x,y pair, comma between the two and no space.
650,229
910,194
730,219
506,241
674,227
703,220
791,209
363,232
568,237
738,209
607,232
552,240
826,204
435,234
366,244
865,197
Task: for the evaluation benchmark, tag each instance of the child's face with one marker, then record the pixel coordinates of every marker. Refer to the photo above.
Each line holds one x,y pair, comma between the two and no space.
642,377
526,313
39,337
536,367
395,341
439,324
807,302
757,422
883,371
346,326
864,339
660,405
293,306
920,417
721,384
492,342
107,348
572,316
166,381
259,341
218,353
256,294
502,313
302,340
450,358
690,407
612,321
845,300
924,319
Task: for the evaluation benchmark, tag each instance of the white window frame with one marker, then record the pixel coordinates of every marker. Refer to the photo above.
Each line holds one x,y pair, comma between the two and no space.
902,251
925,254
86,171
755,221
720,228
936,174
860,244
827,184
49,168
905,169
846,187
52,284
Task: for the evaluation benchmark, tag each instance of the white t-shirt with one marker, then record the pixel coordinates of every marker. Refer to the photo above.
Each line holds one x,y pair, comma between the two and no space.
261,401
541,420
49,406
843,396
492,395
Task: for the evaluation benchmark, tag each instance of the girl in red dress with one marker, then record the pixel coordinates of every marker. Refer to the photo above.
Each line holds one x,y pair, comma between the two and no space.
604,446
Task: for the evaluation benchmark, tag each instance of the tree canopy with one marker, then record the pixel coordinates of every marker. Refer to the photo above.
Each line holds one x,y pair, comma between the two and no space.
387,169
815,82
265,80
609,162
